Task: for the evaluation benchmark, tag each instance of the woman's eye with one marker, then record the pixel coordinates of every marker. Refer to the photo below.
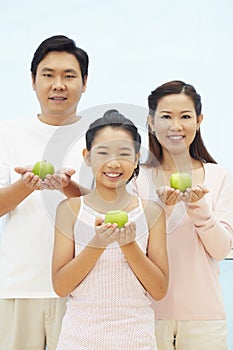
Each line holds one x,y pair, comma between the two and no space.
165,116
186,116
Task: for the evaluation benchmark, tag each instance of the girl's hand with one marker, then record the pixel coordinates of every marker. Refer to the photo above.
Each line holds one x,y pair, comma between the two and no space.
192,195
168,195
105,234
126,234
58,181
29,178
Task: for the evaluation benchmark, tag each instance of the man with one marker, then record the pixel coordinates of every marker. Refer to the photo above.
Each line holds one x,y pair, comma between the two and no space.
30,311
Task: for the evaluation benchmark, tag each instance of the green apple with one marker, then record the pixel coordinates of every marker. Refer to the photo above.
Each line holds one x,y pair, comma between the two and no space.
119,217
43,168
180,181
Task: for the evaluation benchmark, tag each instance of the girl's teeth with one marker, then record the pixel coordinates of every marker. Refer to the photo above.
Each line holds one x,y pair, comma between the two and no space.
112,175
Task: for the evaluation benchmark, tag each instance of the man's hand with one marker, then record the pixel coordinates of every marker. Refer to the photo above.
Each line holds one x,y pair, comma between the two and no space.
29,178
58,181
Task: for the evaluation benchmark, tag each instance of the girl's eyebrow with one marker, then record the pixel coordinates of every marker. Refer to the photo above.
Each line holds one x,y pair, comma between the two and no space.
185,111
107,147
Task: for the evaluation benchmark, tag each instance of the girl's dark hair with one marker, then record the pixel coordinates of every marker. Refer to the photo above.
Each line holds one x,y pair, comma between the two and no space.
60,43
197,148
114,119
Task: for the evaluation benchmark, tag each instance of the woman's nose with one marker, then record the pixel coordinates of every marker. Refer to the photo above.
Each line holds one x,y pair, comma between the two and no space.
177,124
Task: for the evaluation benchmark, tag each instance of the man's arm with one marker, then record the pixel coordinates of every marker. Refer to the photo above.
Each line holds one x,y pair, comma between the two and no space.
14,194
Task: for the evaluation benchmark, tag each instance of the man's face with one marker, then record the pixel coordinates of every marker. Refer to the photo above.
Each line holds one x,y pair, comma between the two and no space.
58,85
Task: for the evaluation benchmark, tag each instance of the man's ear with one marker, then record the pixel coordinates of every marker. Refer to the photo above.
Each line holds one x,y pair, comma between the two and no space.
150,121
33,82
86,156
84,84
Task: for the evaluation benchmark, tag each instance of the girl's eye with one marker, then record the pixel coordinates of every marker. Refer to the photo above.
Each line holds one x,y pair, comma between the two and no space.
102,153
125,154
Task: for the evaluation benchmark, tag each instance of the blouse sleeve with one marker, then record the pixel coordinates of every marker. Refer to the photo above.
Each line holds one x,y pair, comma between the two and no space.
215,225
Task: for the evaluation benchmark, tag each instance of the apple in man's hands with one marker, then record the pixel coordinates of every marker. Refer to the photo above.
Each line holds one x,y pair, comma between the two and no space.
43,168
119,217
180,181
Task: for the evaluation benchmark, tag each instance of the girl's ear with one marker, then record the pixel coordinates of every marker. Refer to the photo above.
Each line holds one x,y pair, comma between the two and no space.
150,121
137,157
86,156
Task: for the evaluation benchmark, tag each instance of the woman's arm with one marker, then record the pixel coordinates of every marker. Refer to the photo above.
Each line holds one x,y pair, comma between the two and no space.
151,270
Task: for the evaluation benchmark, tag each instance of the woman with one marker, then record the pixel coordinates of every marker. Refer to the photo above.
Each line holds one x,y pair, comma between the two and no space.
199,220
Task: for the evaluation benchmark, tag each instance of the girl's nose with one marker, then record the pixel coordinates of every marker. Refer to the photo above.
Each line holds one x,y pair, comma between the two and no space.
113,163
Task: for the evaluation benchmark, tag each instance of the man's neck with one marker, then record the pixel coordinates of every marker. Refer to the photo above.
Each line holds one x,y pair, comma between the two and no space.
58,121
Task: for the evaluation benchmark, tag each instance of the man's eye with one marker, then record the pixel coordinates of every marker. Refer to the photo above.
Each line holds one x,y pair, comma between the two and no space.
69,76
48,75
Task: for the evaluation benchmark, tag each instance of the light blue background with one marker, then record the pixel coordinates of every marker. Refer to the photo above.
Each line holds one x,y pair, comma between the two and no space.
133,46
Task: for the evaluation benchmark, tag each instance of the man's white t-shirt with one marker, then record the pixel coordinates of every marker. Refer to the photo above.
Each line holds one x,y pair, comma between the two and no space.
27,232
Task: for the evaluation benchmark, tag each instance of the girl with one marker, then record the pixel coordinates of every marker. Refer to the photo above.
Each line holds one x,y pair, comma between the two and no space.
199,221
107,271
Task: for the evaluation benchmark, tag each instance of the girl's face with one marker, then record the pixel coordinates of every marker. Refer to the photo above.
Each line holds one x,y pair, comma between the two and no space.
175,122
112,156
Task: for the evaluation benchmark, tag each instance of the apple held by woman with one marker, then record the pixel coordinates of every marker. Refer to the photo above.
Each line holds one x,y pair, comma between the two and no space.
43,168
180,181
119,217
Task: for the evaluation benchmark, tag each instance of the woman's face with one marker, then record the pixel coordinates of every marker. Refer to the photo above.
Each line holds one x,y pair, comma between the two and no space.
175,123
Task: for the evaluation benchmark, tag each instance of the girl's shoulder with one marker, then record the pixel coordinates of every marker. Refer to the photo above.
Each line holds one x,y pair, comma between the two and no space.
70,206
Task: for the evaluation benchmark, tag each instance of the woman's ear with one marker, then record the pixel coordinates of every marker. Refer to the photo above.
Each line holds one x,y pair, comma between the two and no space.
86,156
200,117
150,121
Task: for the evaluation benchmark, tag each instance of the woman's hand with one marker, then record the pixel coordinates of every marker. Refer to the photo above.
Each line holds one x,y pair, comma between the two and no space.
168,195
192,195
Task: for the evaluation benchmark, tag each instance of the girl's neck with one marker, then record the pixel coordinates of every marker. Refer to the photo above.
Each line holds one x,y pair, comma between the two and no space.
114,199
